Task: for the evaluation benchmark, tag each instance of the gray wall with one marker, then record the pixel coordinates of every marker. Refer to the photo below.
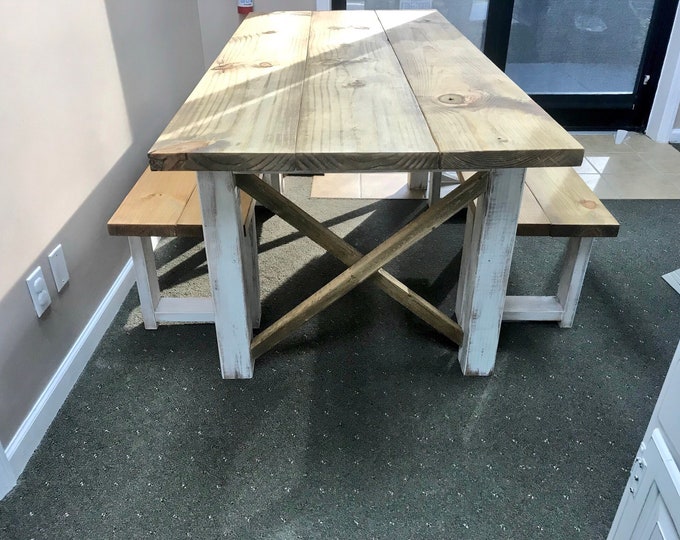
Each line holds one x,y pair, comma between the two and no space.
87,87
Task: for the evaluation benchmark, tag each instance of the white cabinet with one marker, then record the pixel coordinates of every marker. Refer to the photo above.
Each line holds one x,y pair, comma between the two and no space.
650,506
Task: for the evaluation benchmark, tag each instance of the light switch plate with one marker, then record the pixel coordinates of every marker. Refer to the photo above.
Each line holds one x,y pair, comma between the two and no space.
59,269
38,291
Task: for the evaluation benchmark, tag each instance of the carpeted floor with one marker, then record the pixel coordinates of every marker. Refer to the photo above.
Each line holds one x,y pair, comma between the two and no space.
361,425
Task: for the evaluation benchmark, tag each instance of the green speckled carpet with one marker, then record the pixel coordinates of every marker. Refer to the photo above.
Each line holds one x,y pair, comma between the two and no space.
360,425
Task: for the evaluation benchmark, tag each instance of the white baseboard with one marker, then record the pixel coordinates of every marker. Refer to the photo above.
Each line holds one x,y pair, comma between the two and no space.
34,426
675,136
7,477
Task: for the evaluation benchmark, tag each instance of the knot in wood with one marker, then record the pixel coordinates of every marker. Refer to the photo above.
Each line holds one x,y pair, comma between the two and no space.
590,205
452,99
356,84
222,67
264,64
461,100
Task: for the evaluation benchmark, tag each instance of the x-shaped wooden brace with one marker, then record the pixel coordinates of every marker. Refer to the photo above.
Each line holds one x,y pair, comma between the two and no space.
361,267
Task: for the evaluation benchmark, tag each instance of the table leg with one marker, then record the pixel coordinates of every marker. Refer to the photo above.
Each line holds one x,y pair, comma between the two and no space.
223,235
486,266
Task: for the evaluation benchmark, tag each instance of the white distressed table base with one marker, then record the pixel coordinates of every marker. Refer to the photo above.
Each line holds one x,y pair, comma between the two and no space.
487,255
224,246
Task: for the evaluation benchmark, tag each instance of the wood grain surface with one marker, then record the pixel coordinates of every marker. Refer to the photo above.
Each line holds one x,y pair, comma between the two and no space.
243,114
475,112
166,203
358,111
557,202
570,205
154,204
532,219
351,91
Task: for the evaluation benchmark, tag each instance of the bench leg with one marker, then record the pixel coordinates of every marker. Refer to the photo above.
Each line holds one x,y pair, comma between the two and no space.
252,272
435,185
223,235
147,278
571,279
418,180
486,270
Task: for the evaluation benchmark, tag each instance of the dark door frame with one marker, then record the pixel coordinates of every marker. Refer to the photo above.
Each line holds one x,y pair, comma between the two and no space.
603,111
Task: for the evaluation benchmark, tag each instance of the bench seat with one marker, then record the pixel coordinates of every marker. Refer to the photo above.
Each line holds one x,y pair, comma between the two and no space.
555,202
167,203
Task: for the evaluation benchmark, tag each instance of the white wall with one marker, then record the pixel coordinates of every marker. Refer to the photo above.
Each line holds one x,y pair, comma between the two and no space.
87,85
219,20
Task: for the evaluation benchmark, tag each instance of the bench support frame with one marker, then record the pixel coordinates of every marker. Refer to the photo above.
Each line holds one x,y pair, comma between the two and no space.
157,309
561,307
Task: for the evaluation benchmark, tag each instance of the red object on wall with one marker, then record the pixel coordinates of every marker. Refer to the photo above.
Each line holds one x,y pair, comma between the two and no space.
245,6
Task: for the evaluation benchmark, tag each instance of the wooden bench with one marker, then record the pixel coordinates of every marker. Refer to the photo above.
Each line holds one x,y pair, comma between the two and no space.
167,204
555,202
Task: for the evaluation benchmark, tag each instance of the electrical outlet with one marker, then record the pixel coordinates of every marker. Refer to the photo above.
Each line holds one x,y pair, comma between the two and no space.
58,265
38,290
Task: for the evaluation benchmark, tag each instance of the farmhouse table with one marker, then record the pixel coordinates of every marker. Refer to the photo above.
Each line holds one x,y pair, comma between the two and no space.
360,91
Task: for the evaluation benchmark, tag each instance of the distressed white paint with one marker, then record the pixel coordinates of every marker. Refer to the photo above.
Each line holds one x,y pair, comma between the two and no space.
223,235
560,308
667,98
532,308
157,309
146,277
487,267
8,478
573,273
185,310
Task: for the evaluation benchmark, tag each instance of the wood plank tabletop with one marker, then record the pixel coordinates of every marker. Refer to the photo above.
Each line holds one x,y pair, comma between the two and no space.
351,91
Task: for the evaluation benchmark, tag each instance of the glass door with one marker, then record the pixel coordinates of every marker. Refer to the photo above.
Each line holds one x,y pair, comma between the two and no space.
469,16
592,64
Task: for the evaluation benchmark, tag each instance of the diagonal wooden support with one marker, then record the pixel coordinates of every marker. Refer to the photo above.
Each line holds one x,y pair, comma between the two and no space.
367,265
348,254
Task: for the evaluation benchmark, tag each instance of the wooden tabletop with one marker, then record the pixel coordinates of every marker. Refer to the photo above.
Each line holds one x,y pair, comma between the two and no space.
342,91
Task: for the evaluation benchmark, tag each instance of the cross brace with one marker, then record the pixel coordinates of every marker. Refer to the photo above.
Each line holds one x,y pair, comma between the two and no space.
361,267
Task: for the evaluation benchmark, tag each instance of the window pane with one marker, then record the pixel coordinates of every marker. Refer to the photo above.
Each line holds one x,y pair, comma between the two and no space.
577,46
469,16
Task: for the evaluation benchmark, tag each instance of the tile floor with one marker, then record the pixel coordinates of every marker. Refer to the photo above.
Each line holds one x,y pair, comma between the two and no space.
638,168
